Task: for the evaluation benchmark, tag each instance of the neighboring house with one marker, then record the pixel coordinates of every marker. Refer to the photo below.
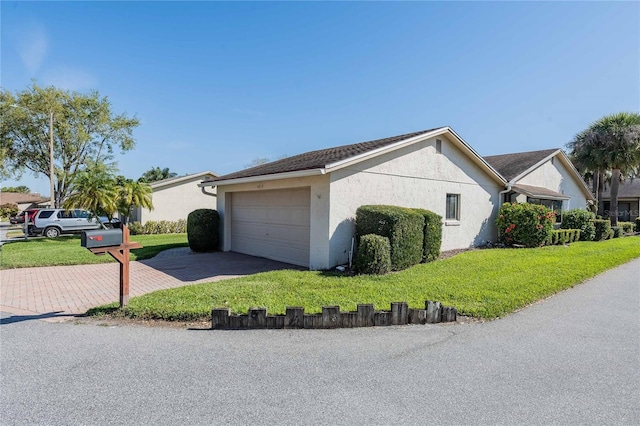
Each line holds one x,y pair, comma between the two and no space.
176,197
301,209
544,177
628,200
24,201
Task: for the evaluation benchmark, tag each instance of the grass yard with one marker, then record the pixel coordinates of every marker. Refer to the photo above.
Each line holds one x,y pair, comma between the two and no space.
480,283
67,251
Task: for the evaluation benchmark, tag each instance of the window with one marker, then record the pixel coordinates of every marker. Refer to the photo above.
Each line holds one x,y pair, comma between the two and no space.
453,207
65,214
555,205
44,214
438,146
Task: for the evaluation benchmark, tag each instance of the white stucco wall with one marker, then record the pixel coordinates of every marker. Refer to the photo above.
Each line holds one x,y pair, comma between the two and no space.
319,208
556,176
175,201
416,176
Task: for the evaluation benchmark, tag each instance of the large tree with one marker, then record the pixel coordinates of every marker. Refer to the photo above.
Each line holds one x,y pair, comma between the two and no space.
85,130
155,174
611,143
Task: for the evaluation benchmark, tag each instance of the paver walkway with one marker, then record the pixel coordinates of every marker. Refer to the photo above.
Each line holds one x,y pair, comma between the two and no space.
68,291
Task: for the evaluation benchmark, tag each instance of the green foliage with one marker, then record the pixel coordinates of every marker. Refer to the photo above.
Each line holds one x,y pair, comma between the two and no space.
603,229
479,283
17,189
95,190
580,219
9,209
203,230
627,227
84,130
158,227
617,231
132,194
564,236
65,250
637,224
374,255
155,174
526,224
402,226
432,240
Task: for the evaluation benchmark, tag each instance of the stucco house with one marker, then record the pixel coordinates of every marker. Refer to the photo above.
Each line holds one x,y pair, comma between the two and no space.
300,209
544,177
628,200
24,201
176,197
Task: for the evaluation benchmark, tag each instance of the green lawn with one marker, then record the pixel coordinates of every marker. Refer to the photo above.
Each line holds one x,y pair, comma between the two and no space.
481,283
67,250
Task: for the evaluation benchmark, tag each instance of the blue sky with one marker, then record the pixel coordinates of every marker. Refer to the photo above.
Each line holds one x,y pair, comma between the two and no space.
217,84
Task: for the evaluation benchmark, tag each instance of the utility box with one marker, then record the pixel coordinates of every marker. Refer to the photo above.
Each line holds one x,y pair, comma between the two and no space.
101,238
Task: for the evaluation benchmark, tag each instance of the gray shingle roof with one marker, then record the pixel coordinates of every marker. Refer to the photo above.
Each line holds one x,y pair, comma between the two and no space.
627,189
318,159
511,165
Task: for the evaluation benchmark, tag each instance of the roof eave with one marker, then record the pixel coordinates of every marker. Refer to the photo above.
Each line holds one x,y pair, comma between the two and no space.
260,178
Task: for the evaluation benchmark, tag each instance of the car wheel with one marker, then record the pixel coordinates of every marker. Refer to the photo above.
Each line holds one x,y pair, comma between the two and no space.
52,232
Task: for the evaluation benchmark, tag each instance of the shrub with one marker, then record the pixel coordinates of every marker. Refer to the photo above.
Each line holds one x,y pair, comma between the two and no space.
526,224
564,236
602,229
579,219
158,227
9,209
402,226
637,224
627,227
374,255
432,240
617,231
203,231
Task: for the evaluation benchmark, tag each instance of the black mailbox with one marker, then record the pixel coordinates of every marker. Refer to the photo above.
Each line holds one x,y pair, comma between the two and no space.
101,238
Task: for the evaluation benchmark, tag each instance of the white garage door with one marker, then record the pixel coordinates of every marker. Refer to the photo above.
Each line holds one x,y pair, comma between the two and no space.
272,224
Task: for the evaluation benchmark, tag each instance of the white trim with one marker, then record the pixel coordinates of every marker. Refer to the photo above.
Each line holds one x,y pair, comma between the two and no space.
180,179
260,178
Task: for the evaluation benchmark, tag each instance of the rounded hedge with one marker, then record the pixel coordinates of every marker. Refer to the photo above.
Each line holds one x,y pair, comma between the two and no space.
580,219
374,255
203,231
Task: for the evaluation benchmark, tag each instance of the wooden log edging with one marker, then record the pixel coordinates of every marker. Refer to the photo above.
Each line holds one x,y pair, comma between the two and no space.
332,317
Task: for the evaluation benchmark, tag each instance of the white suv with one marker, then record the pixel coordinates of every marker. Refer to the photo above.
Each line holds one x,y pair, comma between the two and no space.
53,222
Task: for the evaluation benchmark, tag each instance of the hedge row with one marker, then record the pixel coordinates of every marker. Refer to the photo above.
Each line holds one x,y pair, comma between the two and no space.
158,227
638,224
564,236
414,235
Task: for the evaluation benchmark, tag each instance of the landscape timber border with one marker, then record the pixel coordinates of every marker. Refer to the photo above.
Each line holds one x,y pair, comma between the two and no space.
332,317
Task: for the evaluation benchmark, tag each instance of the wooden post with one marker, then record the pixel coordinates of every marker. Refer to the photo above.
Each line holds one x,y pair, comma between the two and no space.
121,254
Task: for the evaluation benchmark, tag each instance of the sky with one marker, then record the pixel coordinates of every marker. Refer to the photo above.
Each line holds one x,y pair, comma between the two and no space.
216,85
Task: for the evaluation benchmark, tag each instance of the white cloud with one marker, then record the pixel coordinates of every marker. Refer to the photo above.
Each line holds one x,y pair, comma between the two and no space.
33,47
69,78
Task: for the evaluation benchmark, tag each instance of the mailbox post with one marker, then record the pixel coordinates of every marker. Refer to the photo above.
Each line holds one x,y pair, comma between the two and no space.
116,243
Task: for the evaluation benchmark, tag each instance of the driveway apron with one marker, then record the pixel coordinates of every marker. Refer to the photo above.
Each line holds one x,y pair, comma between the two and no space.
66,291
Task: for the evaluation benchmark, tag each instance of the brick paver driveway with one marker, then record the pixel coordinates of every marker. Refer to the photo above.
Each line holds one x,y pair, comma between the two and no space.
68,291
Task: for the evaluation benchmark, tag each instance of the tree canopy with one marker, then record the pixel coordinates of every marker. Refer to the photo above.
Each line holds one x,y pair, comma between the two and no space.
610,143
155,174
22,189
85,131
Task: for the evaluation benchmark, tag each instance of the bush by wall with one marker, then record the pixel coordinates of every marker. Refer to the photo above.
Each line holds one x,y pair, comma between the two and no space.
432,240
402,226
580,219
627,227
158,227
603,229
526,224
374,255
638,224
617,231
203,231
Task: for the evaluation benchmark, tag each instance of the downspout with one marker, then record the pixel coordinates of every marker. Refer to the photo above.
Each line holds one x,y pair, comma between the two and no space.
504,192
204,191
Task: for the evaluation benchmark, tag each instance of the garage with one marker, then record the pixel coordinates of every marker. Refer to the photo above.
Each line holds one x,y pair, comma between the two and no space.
274,224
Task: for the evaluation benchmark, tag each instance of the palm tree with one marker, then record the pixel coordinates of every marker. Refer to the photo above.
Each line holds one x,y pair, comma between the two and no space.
133,194
155,174
94,189
611,143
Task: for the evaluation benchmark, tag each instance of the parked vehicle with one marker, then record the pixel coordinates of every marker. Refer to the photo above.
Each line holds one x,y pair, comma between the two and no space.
52,223
19,218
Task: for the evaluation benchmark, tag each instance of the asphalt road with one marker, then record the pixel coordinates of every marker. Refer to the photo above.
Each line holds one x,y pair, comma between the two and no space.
571,359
